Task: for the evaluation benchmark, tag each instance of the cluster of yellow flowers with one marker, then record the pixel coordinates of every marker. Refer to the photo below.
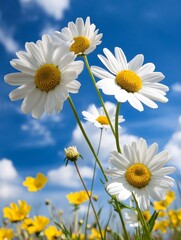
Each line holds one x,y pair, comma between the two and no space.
18,214
169,219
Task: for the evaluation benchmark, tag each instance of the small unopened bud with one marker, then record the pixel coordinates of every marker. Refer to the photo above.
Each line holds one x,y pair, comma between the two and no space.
95,197
88,226
108,229
81,222
47,202
5,222
71,153
60,212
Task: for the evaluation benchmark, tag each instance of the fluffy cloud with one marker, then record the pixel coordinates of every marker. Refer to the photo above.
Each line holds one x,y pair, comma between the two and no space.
8,171
67,176
174,146
176,87
9,180
107,143
6,39
38,132
54,8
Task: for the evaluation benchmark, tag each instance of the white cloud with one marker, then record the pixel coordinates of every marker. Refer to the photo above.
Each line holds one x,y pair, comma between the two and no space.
6,39
8,171
68,177
39,134
176,87
54,8
107,143
174,146
9,180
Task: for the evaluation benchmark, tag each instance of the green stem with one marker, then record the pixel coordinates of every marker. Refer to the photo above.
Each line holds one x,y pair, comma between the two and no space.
142,220
98,92
117,127
85,136
122,220
92,184
97,219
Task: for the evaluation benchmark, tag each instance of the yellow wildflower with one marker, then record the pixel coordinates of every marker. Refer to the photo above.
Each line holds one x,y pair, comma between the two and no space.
35,225
146,215
95,234
52,233
6,234
175,217
160,205
17,213
35,184
170,197
77,197
163,204
162,214
162,226
79,236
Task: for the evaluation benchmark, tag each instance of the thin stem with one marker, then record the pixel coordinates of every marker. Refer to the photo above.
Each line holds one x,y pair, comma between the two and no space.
122,220
92,184
85,136
142,220
98,92
117,127
97,219
76,219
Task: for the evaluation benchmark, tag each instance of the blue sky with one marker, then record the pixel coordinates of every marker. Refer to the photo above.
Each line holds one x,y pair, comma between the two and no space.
148,27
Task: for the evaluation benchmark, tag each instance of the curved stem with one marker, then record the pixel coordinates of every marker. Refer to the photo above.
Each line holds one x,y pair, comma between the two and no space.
92,183
117,127
85,136
98,92
97,219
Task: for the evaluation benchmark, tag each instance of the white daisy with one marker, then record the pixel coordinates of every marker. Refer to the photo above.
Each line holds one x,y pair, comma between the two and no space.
47,75
130,81
83,37
139,170
99,118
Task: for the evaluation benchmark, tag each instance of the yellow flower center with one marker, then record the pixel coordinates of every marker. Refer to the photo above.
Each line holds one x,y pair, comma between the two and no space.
47,77
80,44
129,81
138,175
102,120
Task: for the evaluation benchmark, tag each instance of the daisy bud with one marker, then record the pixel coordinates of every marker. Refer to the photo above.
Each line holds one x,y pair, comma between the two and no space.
81,222
71,153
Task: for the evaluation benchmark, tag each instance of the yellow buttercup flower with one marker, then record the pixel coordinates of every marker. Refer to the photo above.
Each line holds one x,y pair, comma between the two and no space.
79,236
35,225
6,234
78,197
160,205
95,234
163,204
17,213
175,217
170,197
146,215
35,184
52,233
162,226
